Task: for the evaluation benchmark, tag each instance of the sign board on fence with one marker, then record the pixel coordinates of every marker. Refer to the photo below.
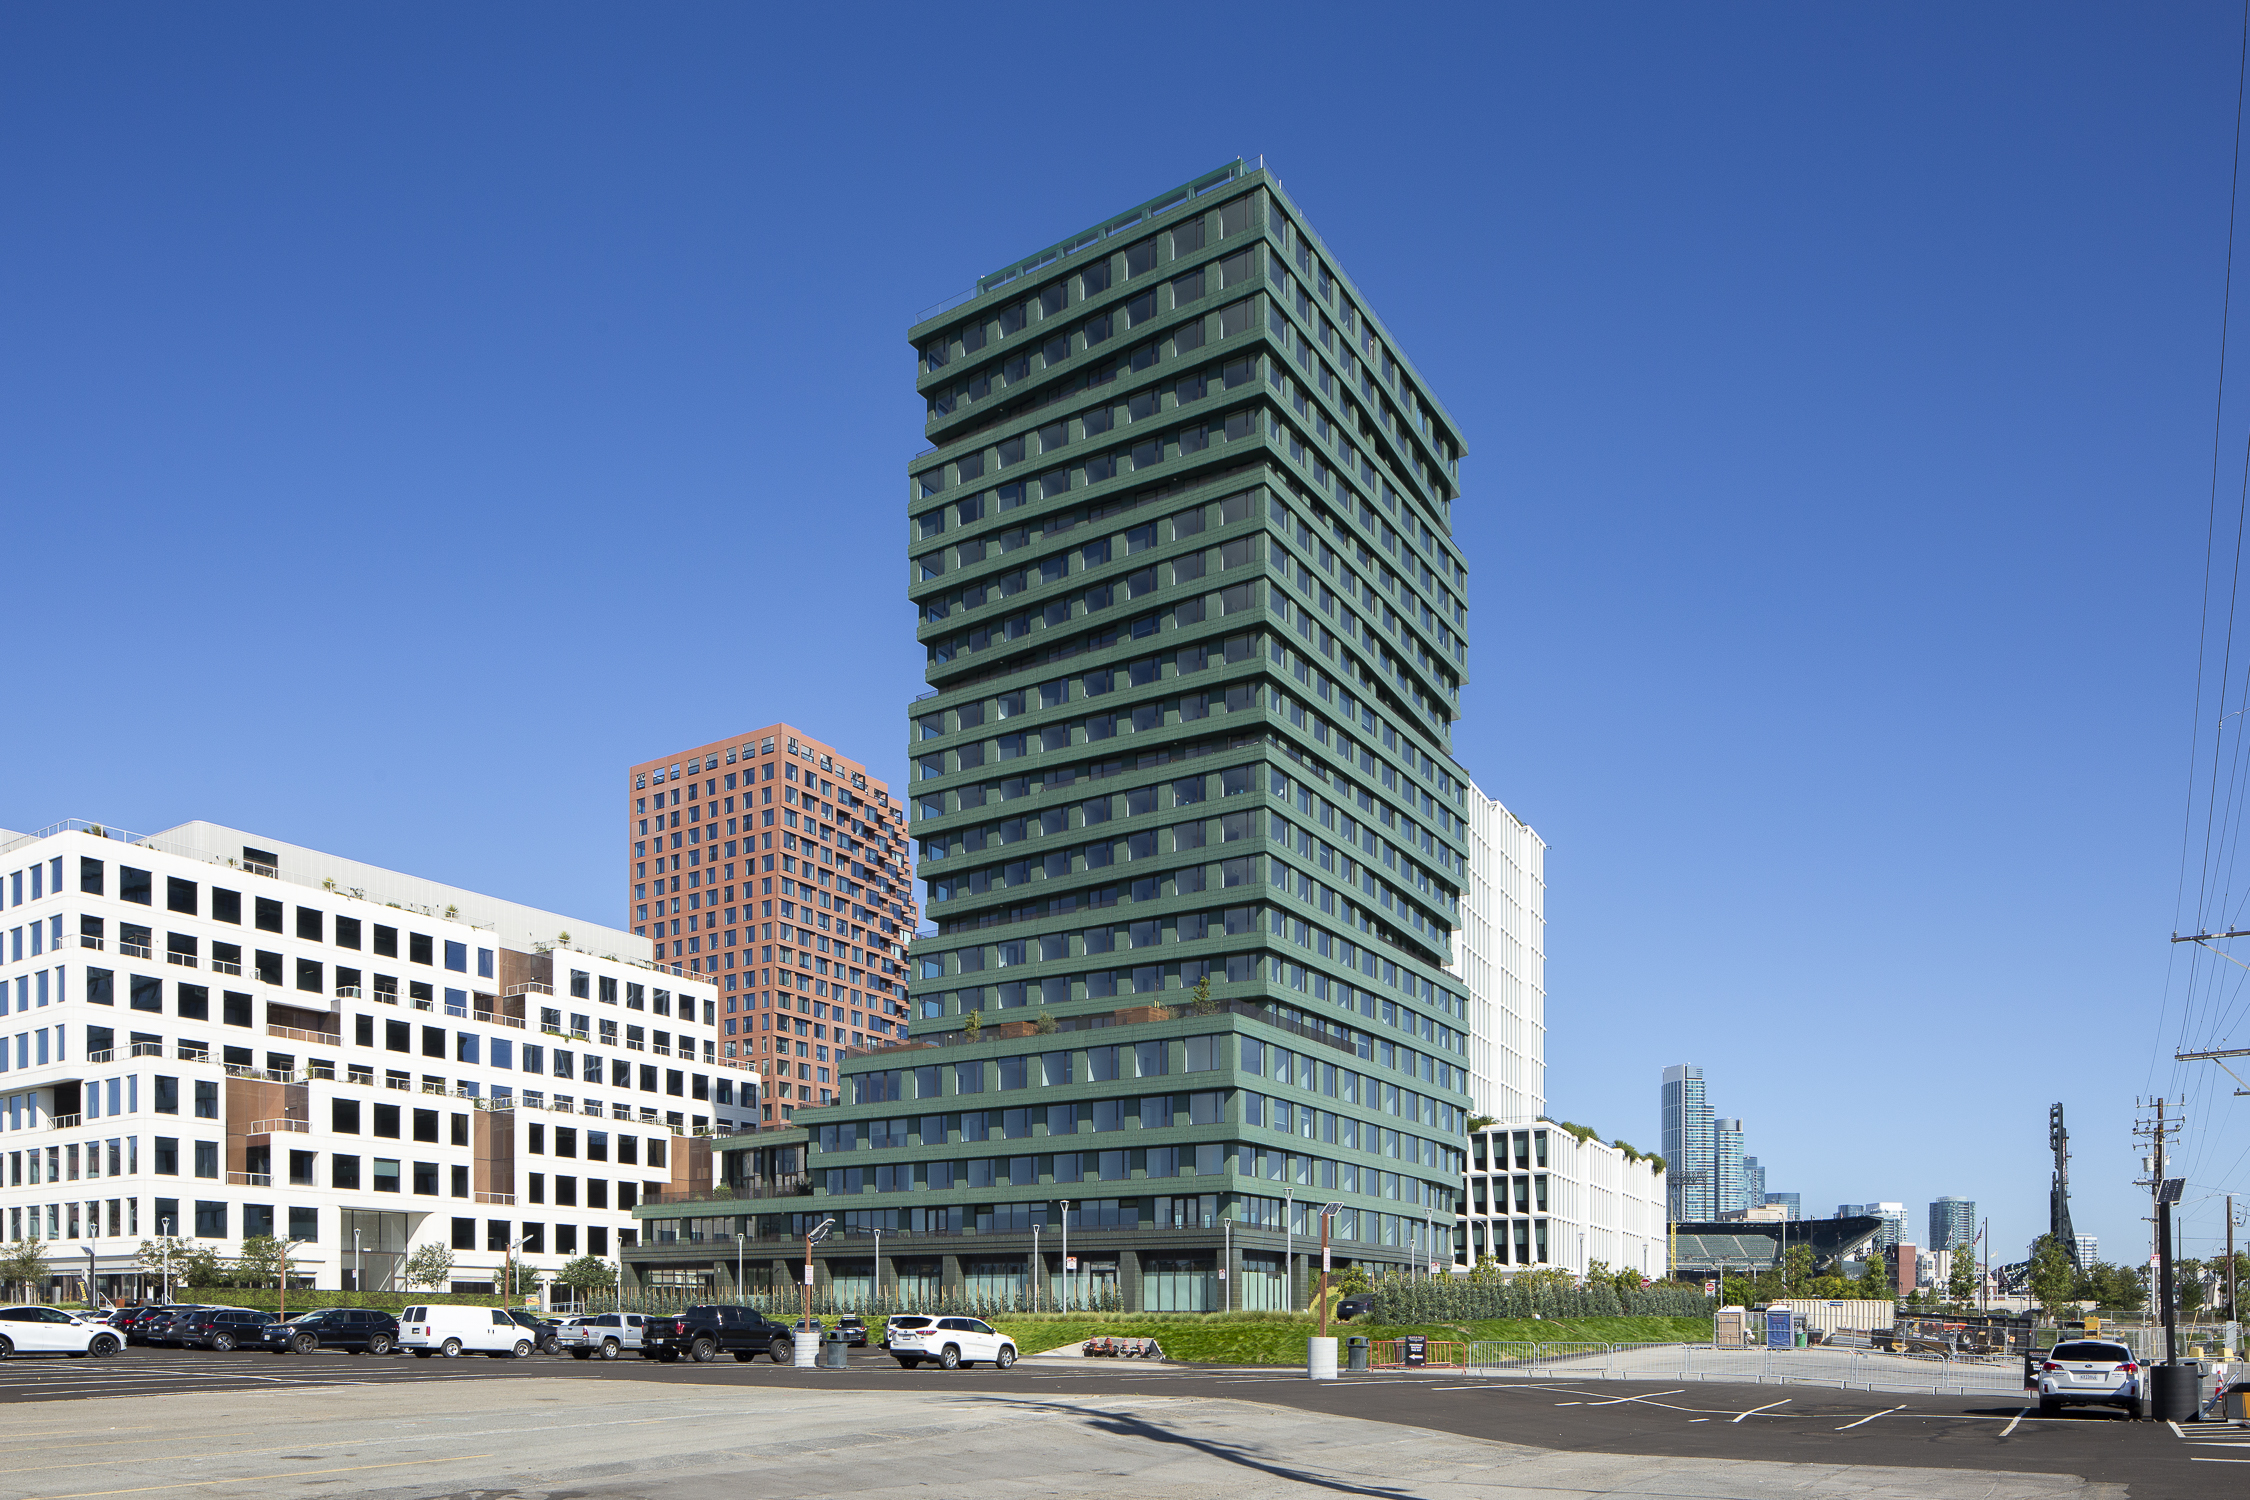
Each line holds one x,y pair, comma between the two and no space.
1710,1289
1222,1273
1417,1349
1070,1262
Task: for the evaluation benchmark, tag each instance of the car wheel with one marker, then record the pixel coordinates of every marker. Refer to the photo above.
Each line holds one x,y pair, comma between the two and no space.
908,1364
103,1346
781,1351
306,1343
522,1349
950,1358
1007,1357
552,1346
379,1345
6,1347
668,1357
451,1348
701,1351
222,1344
610,1349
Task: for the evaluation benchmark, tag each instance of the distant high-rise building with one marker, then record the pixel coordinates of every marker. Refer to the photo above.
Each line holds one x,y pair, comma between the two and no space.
1794,1202
775,824
1753,1183
2089,1249
1500,955
1953,1221
1687,1145
1727,1193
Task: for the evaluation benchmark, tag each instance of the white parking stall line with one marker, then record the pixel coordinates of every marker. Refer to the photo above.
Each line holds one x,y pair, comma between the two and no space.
1650,1397
1769,1406
2012,1421
1871,1416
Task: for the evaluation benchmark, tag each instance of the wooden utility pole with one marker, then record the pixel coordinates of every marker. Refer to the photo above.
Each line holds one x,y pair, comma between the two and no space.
2163,1195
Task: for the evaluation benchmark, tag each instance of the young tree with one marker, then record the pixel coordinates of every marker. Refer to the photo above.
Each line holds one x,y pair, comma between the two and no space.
2053,1277
2190,1286
430,1266
588,1274
1797,1264
1202,1002
198,1266
24,1264
259,1264
1961,1286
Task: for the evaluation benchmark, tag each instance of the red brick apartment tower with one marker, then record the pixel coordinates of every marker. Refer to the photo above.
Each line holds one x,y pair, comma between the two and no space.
777,867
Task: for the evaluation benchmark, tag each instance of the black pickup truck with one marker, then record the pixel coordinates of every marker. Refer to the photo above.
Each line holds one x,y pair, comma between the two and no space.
704,1333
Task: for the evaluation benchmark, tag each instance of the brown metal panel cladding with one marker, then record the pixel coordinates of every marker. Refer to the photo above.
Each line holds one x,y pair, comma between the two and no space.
524,968
493,1138
691,1164
250,1101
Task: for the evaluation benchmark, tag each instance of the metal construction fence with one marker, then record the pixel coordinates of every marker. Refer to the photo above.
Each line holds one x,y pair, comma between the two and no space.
1848,1369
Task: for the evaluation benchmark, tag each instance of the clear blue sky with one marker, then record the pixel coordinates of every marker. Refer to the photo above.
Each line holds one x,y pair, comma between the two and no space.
393,399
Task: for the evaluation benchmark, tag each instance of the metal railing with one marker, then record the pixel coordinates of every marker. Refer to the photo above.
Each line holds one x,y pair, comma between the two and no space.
64,1122
349,992
146,1049
503,1199
132,950
85,941
184,960
528,987
250,1179
106,1054
494,1018
298,1034
221,966
279,1127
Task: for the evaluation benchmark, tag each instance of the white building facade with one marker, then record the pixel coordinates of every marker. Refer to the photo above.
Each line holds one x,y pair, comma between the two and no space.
1539,1196
208,1035
1502,959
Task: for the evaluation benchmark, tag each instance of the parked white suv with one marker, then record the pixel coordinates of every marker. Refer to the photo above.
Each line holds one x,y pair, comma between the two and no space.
2089,1372
50,1330
951,1342
603,1337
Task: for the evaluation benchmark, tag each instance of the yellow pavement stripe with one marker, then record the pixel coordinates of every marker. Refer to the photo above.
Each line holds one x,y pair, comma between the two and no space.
193,1484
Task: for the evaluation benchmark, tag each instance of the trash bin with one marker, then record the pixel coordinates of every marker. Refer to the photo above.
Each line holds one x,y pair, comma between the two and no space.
1356,1353
2173,1392
835,1350
1800,1335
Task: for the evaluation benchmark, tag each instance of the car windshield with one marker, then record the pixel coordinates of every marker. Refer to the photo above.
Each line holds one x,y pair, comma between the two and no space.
2089,1353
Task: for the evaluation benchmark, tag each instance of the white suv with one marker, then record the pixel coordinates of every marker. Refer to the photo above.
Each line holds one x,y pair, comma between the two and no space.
2087,1372
951,1342
50,1330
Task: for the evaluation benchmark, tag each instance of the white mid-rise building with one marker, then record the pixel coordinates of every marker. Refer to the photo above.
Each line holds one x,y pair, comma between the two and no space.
1502,960
207,1035
1540,1196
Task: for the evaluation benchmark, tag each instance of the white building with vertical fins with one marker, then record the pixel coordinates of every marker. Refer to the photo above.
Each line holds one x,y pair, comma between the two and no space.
1502,959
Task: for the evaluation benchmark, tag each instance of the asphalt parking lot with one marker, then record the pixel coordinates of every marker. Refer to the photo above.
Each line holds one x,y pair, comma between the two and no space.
1704,1421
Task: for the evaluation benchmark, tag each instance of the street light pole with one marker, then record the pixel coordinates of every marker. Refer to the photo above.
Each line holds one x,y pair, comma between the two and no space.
1038,1267
359,1266
1064,1205
164,1228
1289,1249
1326,1214
738,1268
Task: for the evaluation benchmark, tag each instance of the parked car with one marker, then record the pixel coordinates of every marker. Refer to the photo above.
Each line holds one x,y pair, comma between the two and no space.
1348,1308
854,1329
900,1322
2088,1372
164,1331
220,1329
50,1330
454,1331
952,1343
604,1337
703,1333
543,1331
138,1320
361,1330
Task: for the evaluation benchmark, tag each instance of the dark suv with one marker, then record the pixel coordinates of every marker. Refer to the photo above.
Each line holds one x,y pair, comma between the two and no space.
223,1329
359,1329
703,1333
546,1333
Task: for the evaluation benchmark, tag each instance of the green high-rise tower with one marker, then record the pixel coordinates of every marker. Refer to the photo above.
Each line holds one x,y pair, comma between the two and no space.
1188,822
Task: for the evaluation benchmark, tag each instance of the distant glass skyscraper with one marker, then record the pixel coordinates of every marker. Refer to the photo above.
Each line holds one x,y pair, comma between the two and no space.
1793,1202
1753,1183
1687,1144
1726,1166
1953,1221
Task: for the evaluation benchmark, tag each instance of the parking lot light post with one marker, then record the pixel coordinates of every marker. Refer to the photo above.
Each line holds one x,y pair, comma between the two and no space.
1064,1205
359,1265
1326,1215
164,1229
813,1237
1038,1262
738,1268
1289,1249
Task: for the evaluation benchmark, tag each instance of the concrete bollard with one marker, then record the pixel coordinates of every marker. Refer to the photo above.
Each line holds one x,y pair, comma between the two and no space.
1320,1359
804,1350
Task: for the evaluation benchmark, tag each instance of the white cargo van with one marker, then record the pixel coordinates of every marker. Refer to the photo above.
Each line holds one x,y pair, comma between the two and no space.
454,1331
